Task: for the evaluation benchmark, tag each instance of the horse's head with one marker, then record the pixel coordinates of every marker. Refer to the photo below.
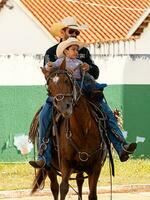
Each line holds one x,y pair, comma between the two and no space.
61,87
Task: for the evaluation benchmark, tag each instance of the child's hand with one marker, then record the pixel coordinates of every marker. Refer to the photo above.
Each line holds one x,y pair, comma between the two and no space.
85,67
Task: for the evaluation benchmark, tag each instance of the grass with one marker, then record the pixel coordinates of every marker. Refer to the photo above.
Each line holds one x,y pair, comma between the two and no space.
16,176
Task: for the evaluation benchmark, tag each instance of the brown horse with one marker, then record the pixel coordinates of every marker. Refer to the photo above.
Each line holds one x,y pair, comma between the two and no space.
81,145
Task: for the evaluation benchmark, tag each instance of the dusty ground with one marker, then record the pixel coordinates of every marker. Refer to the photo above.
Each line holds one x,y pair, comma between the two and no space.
124,192
115,196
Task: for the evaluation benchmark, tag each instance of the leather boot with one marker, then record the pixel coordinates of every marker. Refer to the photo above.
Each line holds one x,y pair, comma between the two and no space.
37,164
127,149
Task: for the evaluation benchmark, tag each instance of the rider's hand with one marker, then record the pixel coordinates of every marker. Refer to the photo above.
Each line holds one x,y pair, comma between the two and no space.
85,67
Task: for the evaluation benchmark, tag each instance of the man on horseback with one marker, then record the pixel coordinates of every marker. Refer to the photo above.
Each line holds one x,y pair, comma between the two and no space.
69,28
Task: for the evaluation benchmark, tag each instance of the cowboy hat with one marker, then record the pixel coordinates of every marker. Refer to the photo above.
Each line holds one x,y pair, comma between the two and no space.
67,43
66,22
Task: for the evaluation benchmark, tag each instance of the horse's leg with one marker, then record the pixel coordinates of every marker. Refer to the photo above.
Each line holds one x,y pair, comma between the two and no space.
80,181
93,179
64,186
54,183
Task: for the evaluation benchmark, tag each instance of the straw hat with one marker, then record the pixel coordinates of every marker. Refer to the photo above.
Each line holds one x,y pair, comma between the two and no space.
66,22
63,45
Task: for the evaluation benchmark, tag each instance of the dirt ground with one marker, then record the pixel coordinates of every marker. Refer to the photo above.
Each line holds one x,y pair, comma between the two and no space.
124,192
115,196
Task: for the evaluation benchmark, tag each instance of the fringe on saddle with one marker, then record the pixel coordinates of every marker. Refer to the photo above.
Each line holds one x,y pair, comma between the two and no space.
33,131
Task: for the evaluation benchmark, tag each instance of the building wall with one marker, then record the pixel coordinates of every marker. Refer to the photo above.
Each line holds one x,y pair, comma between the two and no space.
19,33
22,46
128,90
22,92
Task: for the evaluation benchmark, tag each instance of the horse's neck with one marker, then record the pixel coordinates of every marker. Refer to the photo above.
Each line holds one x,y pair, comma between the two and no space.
82,110
83,123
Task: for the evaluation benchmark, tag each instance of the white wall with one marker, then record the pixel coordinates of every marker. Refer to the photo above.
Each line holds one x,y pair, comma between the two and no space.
21,70
131,69
143,43
20,34
25,69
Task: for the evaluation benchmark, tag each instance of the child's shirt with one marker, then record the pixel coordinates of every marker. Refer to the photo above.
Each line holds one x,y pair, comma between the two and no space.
72,64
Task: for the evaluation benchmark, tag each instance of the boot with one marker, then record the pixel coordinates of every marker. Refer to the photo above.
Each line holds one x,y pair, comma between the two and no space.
37,164
127,149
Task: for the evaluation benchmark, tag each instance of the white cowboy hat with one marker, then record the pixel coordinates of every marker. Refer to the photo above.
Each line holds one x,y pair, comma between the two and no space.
63,45
66,22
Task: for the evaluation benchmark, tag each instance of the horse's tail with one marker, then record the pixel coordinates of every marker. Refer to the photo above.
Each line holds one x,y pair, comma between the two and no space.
34,127
39,180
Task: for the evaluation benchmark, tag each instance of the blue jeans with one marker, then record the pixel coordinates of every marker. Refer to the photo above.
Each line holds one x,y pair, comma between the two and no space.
44,121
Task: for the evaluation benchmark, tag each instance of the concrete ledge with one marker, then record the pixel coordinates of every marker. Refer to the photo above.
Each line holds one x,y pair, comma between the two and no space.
100,190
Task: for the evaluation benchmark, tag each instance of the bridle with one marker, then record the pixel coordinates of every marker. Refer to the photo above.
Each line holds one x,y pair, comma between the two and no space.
75,94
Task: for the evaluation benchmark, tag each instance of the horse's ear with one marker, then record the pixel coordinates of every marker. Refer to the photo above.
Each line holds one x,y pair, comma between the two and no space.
63,64
45,72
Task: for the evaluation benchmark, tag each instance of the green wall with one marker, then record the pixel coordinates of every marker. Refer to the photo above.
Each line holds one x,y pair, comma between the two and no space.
17,108
18,105
133,101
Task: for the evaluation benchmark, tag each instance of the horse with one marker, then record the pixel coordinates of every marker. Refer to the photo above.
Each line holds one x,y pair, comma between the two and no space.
81,144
